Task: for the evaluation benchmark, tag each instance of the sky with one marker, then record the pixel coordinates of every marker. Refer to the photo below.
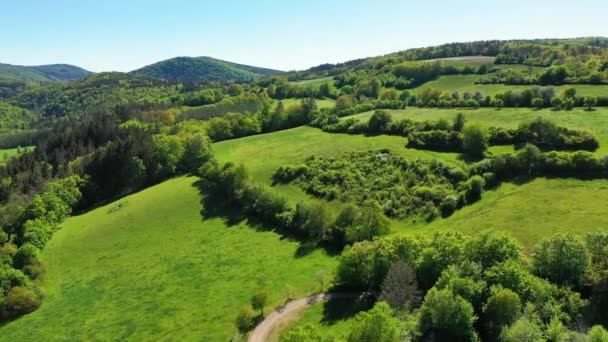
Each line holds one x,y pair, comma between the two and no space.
123,35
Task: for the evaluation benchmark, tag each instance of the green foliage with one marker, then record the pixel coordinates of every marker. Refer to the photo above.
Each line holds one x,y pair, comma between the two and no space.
259,301
522,330
562,259
502,308
491,248
444,315
401,187
379,121
598,334
306,333
19,300
474,140
400,287
244,320
202,69
378,324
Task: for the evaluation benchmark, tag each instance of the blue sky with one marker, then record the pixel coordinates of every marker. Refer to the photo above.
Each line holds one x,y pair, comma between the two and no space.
283,34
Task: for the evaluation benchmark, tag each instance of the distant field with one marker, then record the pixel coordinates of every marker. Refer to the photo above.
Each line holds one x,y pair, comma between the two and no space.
7,153
595,121
465,60
154,269
533,210
466,83
324,103
316,81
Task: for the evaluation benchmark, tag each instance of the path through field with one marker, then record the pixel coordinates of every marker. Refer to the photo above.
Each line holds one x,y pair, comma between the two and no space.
263,330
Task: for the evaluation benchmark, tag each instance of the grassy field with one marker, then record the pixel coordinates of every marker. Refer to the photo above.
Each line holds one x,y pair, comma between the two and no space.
7,153
316,82
533,210
324,103
595,121
149,267
466,83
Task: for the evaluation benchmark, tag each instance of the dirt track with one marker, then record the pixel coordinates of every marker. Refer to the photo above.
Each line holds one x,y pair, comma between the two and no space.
262,331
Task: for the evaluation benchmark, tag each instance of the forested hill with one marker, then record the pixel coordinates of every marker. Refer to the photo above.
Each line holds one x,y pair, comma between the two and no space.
532,52
43,73
202,69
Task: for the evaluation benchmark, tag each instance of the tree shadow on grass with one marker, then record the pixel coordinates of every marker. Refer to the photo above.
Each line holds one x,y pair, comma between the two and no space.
213,207
338,309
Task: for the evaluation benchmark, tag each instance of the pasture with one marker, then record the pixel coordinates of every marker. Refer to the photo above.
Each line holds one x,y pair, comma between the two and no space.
595,121
150,267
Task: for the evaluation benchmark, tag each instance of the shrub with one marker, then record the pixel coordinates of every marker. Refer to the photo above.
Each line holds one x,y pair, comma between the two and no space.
19,301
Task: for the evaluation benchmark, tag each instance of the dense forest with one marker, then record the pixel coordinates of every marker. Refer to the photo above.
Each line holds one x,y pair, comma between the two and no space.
107,135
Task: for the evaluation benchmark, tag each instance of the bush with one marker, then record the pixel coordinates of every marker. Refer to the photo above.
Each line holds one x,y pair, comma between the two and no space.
379,121
19,301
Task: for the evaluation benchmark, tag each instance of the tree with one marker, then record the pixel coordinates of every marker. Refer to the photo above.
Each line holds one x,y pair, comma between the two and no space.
598,334
557,103
400,287
379,121
502,308
377,324
244,320
474,140
590,102
569,92
537,103
259,301
447,316
529,158
459,122
562,259
498,103
491,248
369,223
522,330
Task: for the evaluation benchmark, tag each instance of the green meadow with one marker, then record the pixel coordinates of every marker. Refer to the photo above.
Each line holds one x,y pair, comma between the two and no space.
595,121
466,83
150,267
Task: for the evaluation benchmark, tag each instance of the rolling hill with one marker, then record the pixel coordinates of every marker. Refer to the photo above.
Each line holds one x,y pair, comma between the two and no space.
202,69
43,73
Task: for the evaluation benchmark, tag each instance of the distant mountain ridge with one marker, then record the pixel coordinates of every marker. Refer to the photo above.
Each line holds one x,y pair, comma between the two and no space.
203,69
43,73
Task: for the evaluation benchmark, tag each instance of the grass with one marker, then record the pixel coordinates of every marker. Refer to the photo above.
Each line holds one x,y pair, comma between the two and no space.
595,121
316,81
149,267
324,103
533,210
466,83
7,153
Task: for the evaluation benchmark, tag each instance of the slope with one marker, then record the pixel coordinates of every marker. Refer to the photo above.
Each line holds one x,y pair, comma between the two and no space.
149,268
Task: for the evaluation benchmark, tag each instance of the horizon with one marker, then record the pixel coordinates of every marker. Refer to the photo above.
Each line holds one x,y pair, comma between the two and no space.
116,36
